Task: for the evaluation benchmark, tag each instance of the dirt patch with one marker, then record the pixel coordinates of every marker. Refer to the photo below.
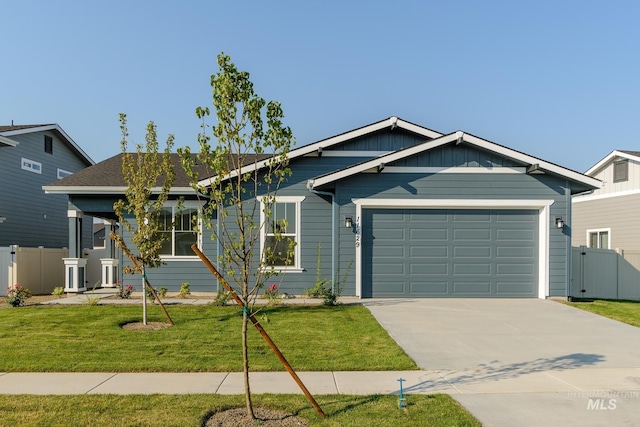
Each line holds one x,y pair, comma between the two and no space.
264,417
150,326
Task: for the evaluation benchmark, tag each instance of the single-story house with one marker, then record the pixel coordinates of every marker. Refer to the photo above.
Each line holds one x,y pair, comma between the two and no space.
402,210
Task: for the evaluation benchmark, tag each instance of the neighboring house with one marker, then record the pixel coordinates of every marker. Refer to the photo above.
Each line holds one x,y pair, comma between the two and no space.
405,210
607,218
32,156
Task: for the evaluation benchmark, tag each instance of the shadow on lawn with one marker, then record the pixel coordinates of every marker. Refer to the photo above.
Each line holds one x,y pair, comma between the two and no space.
495,371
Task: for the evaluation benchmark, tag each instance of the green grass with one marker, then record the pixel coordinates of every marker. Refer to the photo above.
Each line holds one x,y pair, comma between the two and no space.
192,410
204,339
622,311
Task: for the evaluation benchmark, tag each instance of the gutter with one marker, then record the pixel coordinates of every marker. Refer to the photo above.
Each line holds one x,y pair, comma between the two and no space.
333,229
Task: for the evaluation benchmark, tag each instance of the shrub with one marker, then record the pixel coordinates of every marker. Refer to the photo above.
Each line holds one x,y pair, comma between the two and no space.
163,292
17,295
125,292
184,290
58,291
222,297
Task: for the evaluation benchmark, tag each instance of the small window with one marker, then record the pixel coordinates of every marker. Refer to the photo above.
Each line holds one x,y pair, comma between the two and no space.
281,234
181,229
63,173
31,166
600,239
48,144
621,170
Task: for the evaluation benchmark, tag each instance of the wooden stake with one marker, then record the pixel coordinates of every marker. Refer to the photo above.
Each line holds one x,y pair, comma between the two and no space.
260,329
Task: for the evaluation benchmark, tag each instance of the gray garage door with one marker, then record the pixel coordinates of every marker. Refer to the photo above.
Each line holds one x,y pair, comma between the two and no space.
449,253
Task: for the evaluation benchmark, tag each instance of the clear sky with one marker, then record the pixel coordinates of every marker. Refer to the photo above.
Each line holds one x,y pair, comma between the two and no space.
559,79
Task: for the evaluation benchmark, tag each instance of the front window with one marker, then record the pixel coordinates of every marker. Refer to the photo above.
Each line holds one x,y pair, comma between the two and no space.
180,227
281,232
599,238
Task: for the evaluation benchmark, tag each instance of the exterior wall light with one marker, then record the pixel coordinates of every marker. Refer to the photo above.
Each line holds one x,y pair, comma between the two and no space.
348,222
559,222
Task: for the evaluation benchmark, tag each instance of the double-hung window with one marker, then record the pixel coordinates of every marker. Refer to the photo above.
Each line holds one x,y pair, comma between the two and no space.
280,244
181,228
599,238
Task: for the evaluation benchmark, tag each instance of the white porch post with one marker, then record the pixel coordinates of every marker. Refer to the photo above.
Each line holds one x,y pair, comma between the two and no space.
75,274
109,265
75,265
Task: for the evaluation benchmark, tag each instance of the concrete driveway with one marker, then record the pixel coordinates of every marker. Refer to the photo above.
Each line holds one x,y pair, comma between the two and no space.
522,362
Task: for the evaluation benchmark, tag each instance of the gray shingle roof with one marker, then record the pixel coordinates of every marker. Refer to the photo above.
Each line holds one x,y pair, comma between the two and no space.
108,173
20,127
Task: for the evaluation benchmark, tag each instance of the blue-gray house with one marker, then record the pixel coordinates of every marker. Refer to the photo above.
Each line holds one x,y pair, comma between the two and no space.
32,156
407,211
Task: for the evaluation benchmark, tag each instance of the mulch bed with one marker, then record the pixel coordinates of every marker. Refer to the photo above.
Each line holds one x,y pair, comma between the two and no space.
237,417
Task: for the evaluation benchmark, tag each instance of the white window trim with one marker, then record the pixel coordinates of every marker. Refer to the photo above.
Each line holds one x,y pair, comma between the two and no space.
543,225
599,230
63,173
29,165
297,267
193,205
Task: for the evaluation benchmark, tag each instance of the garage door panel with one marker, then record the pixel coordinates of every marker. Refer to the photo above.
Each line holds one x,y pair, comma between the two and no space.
429,251
472,251
461,234
432,288
449,253
473,288
429,268
475,269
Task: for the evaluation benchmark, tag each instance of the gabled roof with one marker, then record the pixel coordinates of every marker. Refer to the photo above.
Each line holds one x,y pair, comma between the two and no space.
458,138
12,130
106,178
631,155
390,123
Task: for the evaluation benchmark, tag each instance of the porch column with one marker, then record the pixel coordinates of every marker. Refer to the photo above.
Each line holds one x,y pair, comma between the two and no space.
109,265
75,265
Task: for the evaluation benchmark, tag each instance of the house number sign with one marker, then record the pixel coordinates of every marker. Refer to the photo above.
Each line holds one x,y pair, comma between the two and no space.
357,232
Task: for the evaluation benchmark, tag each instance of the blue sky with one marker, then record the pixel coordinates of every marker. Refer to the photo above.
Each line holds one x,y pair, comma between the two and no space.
559,80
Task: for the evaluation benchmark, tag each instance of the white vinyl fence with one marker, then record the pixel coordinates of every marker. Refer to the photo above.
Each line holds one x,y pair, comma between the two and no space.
5,262
605,274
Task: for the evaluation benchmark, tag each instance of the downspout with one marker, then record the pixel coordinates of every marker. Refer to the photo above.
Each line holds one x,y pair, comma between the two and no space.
570,248
333,229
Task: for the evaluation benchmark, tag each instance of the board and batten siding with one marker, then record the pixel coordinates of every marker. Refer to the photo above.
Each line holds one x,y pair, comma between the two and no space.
605,174
618,213
33,217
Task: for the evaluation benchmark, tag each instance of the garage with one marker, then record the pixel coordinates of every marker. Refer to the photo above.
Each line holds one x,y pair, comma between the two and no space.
449,253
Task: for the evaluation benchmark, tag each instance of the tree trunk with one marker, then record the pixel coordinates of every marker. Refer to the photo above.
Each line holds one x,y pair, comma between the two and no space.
245,364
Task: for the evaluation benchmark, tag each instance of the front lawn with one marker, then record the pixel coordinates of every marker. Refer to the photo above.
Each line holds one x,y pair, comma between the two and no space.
192,410
204,339
623,311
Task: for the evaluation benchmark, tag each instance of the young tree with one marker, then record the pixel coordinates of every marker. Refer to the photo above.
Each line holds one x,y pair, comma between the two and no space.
145,198
234,182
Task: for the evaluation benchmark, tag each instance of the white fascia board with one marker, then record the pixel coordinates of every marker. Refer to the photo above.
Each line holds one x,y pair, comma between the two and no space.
55,189
7,141
325,143
396,155
454,203
525,158
447,170
608,158
55,127
589,197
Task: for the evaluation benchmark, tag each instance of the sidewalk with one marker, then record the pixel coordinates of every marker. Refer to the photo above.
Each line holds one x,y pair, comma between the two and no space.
565,383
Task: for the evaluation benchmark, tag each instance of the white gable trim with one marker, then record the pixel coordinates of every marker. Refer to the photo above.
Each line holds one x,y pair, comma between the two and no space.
391,122
55,189
543,225
55,127
609,158
7,141
460,137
